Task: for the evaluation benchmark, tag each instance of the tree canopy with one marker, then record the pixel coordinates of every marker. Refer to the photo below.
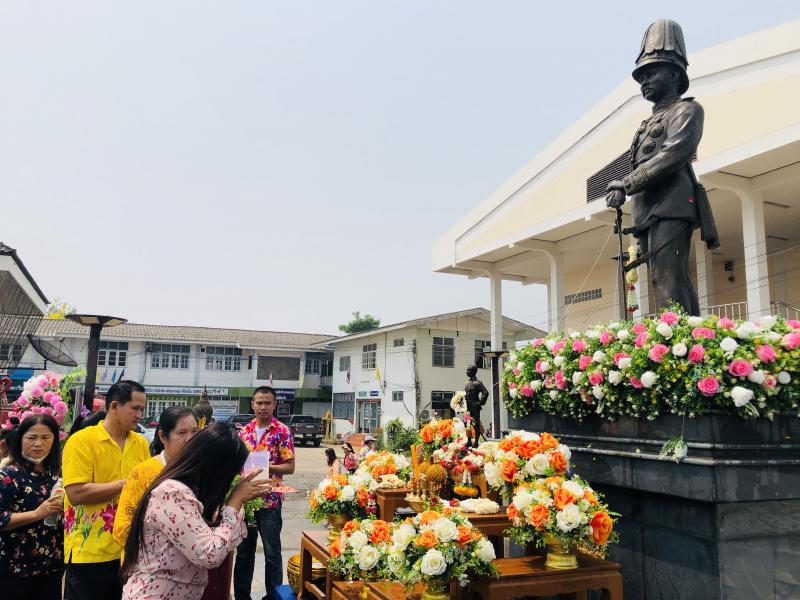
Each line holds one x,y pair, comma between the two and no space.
360,323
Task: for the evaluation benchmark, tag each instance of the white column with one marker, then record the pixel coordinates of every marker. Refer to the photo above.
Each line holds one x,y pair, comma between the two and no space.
496,308
555,319
643,292
755,254
705,272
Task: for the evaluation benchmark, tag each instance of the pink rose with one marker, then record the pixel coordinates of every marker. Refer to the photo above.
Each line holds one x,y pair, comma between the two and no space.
635,382
60,407
696,353
708,386
62,435
657,352
770,381
54,381
547,382
605,338
703,332
526,390
793,324
596,378
42,381
584,361
540,366
726,323
516,372
578,346
619,356
740,367
791,340
537,342
22,402
766,353
558,347
37,392
512,386
670,318
639,328
561,383
641,339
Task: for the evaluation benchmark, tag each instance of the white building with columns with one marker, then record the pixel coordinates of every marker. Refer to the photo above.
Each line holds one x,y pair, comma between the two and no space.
548,224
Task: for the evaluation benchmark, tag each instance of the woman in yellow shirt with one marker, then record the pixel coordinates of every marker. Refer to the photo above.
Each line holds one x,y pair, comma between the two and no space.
176,426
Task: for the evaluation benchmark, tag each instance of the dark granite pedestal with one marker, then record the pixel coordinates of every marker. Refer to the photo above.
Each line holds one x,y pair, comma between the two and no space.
724,523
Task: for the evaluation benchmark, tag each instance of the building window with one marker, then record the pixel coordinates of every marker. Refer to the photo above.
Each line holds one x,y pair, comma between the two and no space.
112,354
344,406
444,352
583,296
223,358
440,404
481,361
344,364
397,396
169,356
399,342
11,352
326,368
368,354
312,366
278,368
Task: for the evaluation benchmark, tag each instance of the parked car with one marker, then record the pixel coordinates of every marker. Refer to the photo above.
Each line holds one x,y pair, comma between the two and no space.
305,428
239,421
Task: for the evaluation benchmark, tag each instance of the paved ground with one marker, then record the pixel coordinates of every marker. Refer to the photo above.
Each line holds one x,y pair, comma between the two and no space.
310,469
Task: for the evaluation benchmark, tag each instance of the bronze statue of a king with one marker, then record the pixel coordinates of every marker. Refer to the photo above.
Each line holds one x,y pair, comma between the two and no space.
667,202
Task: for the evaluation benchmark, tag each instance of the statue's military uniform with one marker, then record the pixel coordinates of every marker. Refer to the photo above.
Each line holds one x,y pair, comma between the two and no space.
476,395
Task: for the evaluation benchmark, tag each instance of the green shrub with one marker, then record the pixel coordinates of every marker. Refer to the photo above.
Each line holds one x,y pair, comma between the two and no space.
397,437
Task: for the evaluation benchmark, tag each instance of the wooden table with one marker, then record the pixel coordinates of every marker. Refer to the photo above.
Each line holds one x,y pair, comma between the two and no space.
389,500
342,590
314,545
527,576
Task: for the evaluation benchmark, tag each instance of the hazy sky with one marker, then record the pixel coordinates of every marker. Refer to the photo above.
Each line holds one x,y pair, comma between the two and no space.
277,165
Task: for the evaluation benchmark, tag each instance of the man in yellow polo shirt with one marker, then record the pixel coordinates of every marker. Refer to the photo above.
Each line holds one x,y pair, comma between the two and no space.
96,462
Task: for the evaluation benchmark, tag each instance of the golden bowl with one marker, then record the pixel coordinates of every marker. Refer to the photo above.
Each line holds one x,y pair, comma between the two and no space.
293,572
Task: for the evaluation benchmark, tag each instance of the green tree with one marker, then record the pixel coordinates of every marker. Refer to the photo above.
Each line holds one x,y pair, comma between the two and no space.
58,309
358,323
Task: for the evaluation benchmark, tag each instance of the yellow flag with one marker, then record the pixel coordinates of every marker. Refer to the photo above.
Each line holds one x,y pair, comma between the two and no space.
378,374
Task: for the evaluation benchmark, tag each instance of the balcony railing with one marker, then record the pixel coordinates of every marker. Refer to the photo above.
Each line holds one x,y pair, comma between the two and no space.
738,311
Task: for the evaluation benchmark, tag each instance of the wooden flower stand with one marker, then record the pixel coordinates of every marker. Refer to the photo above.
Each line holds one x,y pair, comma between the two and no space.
389,500
314,546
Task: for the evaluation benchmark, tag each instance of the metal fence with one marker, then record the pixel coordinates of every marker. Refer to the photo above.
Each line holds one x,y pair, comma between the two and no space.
19,316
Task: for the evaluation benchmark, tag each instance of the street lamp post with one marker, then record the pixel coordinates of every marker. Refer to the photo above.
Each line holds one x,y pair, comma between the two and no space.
95,323
495,356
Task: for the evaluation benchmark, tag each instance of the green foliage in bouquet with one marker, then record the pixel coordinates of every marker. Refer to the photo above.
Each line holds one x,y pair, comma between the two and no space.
250,507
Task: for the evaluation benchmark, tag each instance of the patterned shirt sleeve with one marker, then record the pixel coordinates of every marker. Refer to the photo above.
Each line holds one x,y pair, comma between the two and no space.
8,491
287,445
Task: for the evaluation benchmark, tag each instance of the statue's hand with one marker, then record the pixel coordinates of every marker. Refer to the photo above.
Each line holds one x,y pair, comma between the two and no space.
615,197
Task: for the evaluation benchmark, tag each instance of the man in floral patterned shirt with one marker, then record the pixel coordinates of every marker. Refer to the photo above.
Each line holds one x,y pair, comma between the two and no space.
265,432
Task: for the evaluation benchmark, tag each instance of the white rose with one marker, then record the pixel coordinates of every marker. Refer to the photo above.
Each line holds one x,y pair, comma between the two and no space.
348,493
623,334
536,384
400,461
368,557
558,360
574,488
598,392
679,349
625,363
614,377
544,366
741,396
614,325
538,464
485,551
512,358
767,321
553,394
565,451
445,529
403,535
784,378
694,321
520,365
648,379
492,473
433,563
549,344
575,335
358,539
747,330
569,518
593,334
512,392
728,344
664,330
599,356
323,484
756,377
772,336
396,561
522,500
577,377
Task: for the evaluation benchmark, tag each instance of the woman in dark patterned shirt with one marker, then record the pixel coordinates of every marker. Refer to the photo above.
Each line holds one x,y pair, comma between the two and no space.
31,553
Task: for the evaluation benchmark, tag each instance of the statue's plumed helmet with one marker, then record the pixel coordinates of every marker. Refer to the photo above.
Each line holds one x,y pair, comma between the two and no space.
663,43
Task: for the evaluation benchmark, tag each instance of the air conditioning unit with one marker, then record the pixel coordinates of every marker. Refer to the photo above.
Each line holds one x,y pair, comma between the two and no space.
424,415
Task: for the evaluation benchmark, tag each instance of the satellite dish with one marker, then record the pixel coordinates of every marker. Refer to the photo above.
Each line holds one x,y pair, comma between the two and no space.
51,352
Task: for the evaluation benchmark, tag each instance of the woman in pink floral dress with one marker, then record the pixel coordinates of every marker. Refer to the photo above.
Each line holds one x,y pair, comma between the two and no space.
183,525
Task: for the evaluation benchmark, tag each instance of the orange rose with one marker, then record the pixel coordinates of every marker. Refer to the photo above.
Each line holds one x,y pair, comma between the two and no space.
562,497
589,497
380,532
340,479
447,511
330,492
508,470
427,539
428,517
556,480
528,448
445,429
313,500
427,434
390,470
377,471
601,527
558,462
539,516
512,512
336,547
371,459
505,444
548,441
350,527
362,496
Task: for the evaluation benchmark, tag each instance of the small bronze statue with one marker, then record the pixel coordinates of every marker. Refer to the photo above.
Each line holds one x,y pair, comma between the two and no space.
476,395
203,410
668,203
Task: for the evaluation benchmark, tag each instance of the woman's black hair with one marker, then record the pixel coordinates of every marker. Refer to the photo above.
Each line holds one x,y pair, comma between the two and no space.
52,462
207,465
331,454
166,423
88,421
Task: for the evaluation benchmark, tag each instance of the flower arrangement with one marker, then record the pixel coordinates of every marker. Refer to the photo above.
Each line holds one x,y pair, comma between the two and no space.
44,394
441,432
383,463
670,364
459,402
361,549
439,547
250,507
522,457
339,495
561,509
